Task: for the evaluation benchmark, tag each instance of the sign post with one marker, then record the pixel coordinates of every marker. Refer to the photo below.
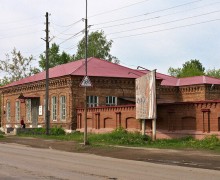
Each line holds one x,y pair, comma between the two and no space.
85,83
146,100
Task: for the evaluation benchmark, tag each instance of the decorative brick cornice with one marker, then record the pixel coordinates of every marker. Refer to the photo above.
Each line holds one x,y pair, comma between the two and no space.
191,89
206,105
37,86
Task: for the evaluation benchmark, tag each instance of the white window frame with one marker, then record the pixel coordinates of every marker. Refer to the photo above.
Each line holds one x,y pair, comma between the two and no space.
62,108
92,101
17,111
28,110
54,108
8,111
111,101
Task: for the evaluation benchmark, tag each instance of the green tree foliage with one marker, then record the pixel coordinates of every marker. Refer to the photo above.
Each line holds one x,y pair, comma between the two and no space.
16,67
98,46
55,58
213,73
190,68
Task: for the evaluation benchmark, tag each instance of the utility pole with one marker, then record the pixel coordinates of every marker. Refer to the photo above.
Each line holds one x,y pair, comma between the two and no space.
47,115
86,54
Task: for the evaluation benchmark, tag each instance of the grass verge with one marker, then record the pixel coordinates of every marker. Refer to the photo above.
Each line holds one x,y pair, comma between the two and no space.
122,137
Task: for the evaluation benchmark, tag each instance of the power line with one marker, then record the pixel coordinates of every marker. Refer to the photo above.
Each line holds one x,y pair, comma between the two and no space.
76,22
131,17
9,37
19,27
106,12
168,22
156,17
75,35
178,27
30,51
18,21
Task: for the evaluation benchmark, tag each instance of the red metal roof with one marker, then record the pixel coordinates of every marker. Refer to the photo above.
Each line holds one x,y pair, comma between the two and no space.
102,68
95,67
187,81
197,80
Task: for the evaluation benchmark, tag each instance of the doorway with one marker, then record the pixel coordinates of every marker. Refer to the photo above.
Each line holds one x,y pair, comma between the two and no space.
35,111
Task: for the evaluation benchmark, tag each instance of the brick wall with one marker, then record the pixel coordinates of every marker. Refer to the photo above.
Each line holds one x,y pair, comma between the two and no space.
174,120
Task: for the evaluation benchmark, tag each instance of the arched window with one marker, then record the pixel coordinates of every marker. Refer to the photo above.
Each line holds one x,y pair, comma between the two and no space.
8,111
63,108
54,108
17,111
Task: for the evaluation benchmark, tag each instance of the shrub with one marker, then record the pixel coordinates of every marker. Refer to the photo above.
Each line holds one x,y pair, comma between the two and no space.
56,131
119,136
39,131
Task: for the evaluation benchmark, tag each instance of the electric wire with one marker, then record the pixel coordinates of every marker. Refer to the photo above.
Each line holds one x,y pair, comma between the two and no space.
168,22
18,21
20,35
74,23
177,27
75,35
20,27
161,10
106,12
156,17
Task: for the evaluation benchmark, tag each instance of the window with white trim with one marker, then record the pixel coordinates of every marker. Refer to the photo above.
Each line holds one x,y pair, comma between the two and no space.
111,101
62,107
92,101
8,111
54,108
28,110
17,111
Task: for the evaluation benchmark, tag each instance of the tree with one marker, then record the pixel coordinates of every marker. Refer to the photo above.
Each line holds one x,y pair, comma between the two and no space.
55,58
213,73
190,68
98,46
16,67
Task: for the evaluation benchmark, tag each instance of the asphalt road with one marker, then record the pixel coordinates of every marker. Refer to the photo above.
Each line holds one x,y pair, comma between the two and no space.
25,163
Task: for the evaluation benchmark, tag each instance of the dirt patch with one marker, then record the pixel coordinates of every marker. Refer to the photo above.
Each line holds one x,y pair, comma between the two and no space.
189,158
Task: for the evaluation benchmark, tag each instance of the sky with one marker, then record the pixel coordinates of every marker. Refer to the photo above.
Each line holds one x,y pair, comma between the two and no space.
153,34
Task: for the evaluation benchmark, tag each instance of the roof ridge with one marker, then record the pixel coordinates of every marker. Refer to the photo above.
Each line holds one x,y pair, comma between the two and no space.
124,67
178,82
167,75
80,65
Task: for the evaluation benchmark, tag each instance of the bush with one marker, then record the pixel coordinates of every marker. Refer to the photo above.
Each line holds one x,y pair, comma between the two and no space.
39,131
119,136
210,142
56,131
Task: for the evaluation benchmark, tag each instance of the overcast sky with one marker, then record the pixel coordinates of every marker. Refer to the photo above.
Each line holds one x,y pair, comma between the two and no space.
155,34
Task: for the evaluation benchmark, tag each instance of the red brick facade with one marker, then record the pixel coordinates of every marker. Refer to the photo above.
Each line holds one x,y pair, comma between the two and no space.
181,110
174,120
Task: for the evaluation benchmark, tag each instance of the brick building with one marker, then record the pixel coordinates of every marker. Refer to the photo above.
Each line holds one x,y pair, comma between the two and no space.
185,105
